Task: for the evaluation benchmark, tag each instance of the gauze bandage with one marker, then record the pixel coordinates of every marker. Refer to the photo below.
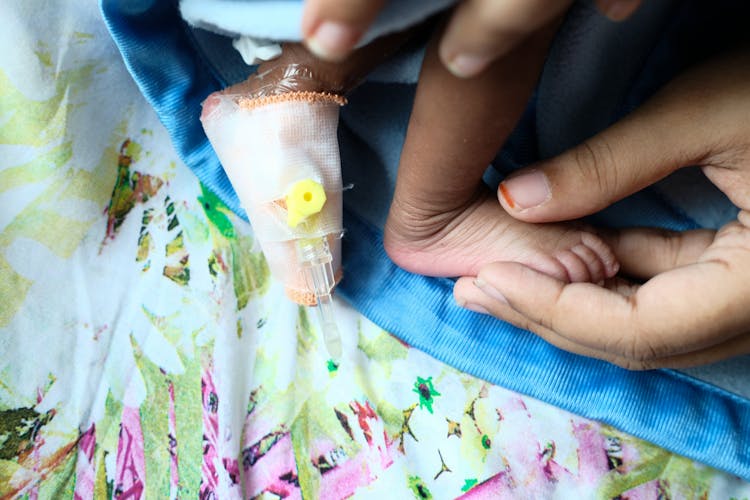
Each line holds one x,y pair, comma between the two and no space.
269,145
278,144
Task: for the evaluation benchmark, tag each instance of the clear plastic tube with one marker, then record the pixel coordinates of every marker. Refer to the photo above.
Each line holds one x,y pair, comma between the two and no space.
315,259
287,114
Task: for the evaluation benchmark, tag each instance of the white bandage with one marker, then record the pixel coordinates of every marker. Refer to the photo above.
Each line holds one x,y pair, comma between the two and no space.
266,145
255,51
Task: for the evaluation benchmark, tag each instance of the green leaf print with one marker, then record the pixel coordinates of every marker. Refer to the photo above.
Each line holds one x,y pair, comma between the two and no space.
250,272
426,392
216,212
419,488
19,429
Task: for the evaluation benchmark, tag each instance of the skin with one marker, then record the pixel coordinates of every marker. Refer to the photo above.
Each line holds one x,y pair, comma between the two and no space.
688,305
318,75
443,220
689,301
478,31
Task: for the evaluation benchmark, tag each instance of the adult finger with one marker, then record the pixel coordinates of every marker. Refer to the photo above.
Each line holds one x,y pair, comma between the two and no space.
331,28
482,30
735,346
681,311
646,252
660,137
470,296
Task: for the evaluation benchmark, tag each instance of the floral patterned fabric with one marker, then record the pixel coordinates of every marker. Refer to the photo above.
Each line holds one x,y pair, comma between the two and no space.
146,352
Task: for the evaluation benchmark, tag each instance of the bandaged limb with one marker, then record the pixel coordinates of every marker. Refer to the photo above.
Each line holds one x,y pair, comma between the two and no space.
281,154
276,137
270,146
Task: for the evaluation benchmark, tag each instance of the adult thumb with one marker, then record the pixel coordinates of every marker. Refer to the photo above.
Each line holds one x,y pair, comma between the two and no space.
635,152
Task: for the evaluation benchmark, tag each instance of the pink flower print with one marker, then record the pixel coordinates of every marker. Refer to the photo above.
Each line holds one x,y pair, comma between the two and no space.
130,465
85,467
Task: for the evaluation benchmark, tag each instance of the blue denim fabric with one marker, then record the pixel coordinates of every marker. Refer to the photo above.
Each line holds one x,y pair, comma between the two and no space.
665,407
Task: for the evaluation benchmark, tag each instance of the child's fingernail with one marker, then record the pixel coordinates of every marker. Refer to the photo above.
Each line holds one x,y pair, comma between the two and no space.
490,290
332,40
527,190
467,65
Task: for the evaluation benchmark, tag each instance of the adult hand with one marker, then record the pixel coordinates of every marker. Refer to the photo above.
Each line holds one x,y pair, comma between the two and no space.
478,32
694,307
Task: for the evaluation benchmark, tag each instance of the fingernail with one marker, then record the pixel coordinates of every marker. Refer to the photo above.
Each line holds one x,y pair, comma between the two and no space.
467,65
527,190
617,10
490,290
332,40
474,307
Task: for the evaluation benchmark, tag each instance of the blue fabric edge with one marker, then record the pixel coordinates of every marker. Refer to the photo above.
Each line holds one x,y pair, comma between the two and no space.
177,100
681,414
671,410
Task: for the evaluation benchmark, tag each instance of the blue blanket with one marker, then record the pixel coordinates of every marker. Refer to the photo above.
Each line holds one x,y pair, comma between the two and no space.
597,72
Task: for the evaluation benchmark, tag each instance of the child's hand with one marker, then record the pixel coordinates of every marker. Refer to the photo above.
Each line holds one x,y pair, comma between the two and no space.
479,31
695,307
